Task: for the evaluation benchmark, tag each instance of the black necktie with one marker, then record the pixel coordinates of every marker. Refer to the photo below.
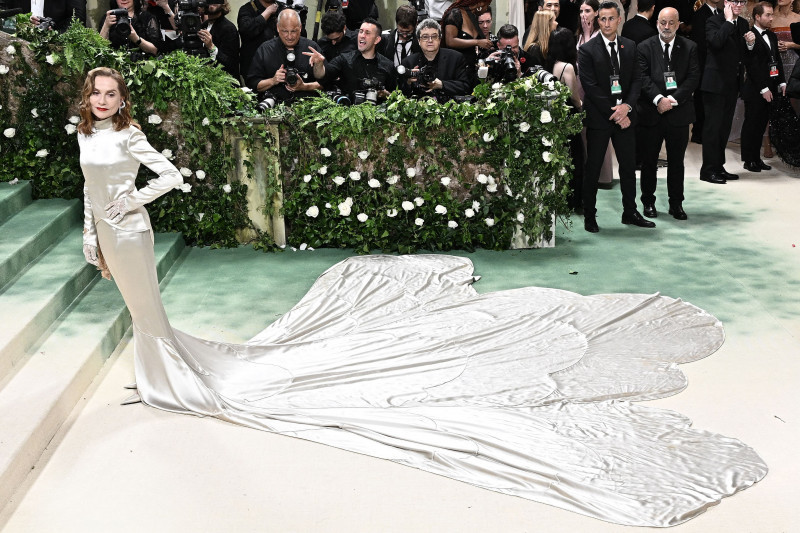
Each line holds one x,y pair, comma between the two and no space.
666,55
614,59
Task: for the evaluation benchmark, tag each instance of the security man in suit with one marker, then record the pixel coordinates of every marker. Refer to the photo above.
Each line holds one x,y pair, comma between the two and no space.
722,80
670,74
61,11
698,35
609,72
765,78
639,28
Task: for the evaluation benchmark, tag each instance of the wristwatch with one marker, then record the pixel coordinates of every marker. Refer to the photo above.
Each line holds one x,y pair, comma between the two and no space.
137,43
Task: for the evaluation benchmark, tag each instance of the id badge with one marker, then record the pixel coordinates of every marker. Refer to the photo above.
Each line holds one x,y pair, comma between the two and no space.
773,69
616,86
670,82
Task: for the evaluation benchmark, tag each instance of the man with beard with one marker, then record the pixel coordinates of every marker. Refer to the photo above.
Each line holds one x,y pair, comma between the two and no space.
221,38
354,70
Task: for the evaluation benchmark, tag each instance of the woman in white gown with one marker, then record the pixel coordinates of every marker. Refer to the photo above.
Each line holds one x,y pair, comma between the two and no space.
526,392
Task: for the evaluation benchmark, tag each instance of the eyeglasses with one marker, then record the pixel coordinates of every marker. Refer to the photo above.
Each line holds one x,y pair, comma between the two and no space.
737,2
428,37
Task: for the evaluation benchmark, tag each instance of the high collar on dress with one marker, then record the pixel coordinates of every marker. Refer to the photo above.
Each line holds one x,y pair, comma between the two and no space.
104,125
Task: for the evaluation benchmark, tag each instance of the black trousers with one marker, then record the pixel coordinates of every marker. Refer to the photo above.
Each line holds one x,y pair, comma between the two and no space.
700,116
716,130
676,138
624,141
756,117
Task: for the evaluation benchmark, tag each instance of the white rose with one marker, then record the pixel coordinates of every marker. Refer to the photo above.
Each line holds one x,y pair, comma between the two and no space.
338,180
206,122
303,246
445,181
547,156
349,201
489,105
200,216
391,213
323,170
355,176
51,59
325,152
419,221
344,209
452,224
246,90
200,175
9,132
74,119
226,188
469,213
166,152
71,128
546,141
10,50
508,190
42,153
362,217
363,154
528,84
411,172
35,113
154,119
492,187
497,85
491,179
185,187
476,205
482,179
524,127
419,201
4,69
562,171
307,178
407,206
312,211
440,209
327,205
517,153
545,117
520,217
391,180
489,221
488,137
185,172
374,183
393,138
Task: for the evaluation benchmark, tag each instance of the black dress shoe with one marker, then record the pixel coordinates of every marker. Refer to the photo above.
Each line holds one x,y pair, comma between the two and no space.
728,176
752,167
590,224
763,165
677,212
636,219
714,178
650,211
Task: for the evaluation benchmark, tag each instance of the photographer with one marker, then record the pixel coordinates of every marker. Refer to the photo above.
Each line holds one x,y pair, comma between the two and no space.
54,14
436,71
357,11
337,38
397,44
126,24
279,67
508,36
257,20
355,70
220,37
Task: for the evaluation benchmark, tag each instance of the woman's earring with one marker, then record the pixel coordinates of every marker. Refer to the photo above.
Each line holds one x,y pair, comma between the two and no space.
121,106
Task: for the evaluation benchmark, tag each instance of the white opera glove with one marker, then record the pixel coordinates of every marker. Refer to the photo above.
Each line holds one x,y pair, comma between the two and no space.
117,209
90,253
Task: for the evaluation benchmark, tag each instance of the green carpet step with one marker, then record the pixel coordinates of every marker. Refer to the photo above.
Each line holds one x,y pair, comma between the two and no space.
39,397
30,304
13,198
30,232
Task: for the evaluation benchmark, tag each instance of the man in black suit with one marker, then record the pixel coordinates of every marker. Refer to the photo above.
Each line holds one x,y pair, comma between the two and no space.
609,72
670,74
722,79
449,67
221,38
698,35
337,38
765,78
639,28
61,11
400,42
257,23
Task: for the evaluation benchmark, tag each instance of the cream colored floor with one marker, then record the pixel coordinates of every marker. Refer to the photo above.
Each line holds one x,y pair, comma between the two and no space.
137,469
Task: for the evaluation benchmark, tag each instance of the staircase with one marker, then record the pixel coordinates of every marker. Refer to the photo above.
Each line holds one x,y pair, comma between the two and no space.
59,322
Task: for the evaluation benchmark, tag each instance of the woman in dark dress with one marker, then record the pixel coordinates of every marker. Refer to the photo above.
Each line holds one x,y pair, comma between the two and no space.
462,32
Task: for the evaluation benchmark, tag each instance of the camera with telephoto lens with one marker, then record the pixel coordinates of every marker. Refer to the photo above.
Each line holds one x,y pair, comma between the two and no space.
338,97
118,33
424,75
368,92
268,101
189,22
292,74
502,68
542,75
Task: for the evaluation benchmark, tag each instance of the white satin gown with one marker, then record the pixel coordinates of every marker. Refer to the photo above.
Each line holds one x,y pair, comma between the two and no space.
526,392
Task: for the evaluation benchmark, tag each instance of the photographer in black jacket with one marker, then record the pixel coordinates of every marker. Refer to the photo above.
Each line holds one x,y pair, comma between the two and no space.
220,37
337,38
257,20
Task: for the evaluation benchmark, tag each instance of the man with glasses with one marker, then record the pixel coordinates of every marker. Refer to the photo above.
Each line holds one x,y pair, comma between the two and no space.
401,42
722,79
337,38
451,77
353,70
278,62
